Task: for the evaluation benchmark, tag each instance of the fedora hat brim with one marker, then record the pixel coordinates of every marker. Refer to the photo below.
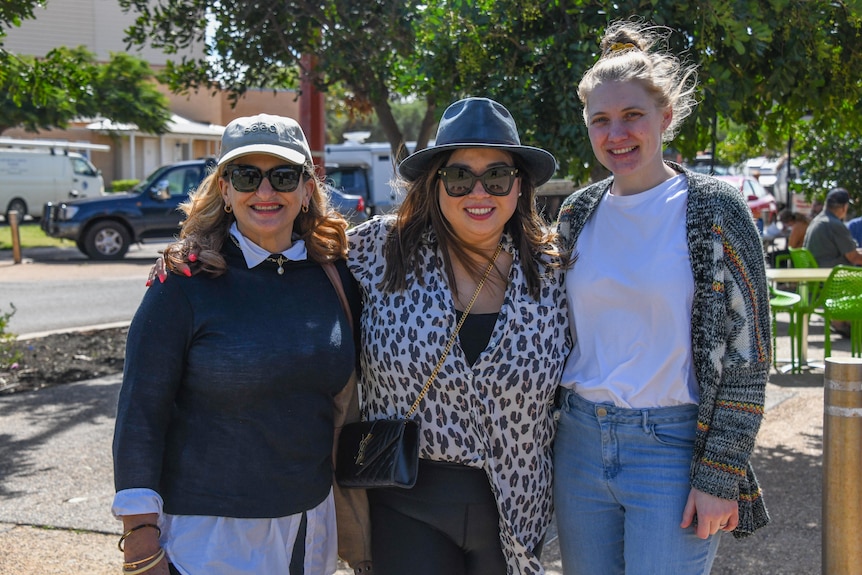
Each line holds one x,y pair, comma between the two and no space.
541,164
479,123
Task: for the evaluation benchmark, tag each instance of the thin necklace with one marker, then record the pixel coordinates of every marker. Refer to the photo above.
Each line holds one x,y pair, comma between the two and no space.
280,261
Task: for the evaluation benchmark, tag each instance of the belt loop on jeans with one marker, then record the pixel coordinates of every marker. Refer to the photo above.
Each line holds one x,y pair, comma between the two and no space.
645,420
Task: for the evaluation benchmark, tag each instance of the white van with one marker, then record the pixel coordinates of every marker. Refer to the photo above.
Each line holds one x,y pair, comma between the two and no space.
31,177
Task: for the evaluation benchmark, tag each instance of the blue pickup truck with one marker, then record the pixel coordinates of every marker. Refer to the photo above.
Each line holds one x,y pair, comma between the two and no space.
104,227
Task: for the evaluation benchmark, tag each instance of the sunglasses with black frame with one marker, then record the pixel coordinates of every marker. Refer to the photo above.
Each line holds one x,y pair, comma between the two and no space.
245,178
459,182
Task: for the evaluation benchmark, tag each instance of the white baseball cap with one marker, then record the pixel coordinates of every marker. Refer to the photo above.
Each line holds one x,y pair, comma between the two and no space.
265,134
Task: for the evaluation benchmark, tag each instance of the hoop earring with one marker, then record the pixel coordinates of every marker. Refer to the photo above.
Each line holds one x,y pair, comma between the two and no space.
227,208
304,208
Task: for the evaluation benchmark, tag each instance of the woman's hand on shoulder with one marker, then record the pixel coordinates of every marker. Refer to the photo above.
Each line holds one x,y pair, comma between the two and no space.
160,269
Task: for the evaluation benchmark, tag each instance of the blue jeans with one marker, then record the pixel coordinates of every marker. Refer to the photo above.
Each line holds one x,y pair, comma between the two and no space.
621,482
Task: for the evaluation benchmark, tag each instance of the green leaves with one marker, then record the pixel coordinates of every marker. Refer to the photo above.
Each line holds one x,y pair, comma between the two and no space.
762,64
69,83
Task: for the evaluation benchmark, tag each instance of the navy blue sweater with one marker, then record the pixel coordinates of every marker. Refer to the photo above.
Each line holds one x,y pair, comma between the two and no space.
226,403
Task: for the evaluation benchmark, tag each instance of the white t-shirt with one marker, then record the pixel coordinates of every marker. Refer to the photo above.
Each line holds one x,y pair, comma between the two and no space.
630,294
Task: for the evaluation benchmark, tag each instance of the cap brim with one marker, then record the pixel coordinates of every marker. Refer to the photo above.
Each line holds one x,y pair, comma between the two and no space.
282,152
540,163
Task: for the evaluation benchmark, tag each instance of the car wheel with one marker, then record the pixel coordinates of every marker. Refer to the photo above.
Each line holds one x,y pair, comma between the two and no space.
107,241
17,205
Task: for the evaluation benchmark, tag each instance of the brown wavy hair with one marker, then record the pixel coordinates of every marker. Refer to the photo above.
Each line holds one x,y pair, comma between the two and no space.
421,212
206,227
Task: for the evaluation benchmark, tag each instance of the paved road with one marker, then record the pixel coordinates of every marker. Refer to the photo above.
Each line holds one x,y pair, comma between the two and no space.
60,288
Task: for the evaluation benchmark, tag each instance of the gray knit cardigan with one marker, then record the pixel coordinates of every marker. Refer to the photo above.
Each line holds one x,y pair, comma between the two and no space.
730,331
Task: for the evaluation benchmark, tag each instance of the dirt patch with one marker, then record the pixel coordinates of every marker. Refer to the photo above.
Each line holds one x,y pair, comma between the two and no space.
61,358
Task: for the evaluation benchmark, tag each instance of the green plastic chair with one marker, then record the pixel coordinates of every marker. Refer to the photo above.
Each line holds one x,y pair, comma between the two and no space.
841,298
810,292
780,300
802,258
780,259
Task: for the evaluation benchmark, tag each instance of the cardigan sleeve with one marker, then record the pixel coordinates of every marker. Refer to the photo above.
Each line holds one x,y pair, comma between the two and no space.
739,351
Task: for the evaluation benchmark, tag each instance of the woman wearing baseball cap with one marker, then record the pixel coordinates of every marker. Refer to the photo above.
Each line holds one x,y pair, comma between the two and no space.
225,426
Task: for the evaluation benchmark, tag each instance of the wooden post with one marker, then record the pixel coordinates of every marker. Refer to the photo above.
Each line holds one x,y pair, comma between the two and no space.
842,466
16,236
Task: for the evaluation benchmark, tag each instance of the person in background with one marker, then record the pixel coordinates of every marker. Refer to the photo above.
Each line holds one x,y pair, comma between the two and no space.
482,501
855,227
827,238
797,224
816,208
793,226
225,425
664,391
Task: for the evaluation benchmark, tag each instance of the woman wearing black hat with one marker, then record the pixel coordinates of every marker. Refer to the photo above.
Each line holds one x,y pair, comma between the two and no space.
482,502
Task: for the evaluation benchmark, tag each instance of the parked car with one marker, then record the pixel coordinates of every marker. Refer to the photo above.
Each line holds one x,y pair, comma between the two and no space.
351,206
103,228
760,201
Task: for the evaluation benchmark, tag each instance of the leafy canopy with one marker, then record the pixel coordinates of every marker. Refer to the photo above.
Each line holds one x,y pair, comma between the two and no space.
42,93
762,64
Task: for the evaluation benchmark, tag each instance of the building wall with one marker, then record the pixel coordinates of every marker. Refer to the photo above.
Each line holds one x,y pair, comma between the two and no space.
280,103
97,24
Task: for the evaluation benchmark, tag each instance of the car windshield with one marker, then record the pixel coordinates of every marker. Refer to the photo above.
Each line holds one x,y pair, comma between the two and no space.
151,179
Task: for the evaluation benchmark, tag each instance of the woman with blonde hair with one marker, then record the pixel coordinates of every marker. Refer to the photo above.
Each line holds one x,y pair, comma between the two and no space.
226,421
663,392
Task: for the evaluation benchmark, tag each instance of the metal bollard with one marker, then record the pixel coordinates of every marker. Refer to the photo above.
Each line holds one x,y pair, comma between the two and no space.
842,466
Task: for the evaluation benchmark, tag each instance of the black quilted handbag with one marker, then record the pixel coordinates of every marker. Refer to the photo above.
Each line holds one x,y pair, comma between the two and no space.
385,452
381,453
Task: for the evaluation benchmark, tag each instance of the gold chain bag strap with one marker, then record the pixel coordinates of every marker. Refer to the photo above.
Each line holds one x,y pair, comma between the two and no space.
385,452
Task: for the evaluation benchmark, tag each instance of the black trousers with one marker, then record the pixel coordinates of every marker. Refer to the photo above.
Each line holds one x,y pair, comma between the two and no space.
448,523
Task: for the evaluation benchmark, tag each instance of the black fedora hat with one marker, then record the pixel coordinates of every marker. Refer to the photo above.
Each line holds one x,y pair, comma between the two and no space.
479,123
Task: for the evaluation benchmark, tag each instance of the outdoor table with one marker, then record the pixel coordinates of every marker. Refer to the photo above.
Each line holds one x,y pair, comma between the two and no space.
797,276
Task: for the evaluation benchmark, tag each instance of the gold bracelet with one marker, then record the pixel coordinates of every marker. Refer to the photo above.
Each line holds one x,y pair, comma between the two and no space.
135,528
158,557
134,564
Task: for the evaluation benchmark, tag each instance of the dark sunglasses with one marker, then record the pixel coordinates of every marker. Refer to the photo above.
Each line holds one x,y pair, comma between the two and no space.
459,182
249,178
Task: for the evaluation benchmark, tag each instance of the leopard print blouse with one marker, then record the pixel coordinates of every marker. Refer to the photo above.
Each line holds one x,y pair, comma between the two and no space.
496,414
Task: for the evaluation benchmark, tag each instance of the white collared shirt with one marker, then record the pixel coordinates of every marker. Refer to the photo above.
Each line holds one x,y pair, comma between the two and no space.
255,255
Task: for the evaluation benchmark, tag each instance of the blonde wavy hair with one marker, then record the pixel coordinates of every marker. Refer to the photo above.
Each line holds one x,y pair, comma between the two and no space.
206,226
633,50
